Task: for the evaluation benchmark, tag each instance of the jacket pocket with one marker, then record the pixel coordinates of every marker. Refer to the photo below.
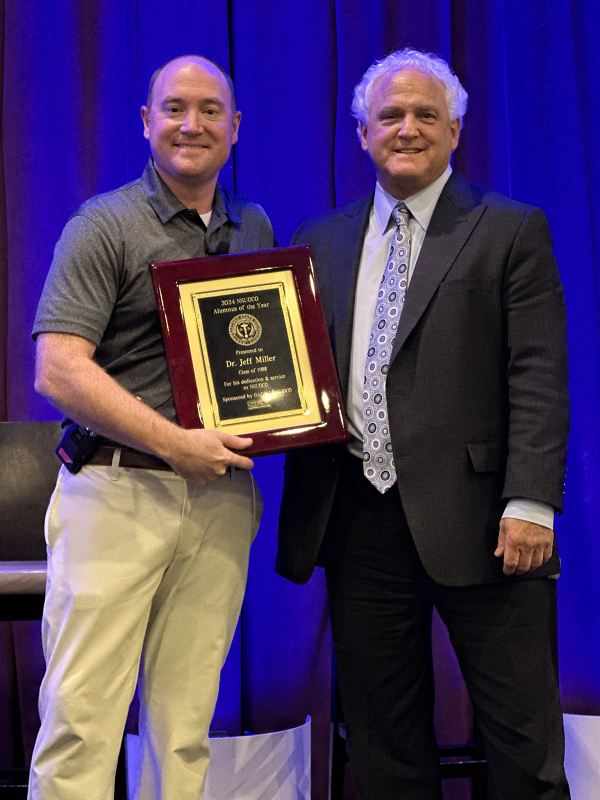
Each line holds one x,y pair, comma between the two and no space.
486,456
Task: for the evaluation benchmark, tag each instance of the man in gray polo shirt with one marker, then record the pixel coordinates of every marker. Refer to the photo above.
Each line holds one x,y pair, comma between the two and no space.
148,544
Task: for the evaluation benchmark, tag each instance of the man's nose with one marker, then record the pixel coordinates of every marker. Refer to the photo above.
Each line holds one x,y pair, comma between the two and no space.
408,128
192,122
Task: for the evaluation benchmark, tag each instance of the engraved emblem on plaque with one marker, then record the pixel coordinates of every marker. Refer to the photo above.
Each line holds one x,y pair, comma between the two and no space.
245,330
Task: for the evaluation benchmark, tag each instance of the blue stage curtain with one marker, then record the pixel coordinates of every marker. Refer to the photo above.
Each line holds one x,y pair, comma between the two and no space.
74,75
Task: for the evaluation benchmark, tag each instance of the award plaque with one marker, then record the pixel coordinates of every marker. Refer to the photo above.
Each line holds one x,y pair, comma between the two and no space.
248,349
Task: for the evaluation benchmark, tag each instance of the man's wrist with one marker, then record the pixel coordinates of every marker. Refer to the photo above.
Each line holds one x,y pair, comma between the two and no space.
530,511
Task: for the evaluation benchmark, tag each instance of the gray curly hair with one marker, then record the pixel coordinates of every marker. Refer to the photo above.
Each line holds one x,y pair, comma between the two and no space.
408,58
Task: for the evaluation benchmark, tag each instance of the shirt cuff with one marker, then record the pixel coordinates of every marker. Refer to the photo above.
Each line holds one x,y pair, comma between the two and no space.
530,511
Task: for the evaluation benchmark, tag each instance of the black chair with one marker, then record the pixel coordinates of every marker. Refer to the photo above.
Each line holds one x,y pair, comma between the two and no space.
28,470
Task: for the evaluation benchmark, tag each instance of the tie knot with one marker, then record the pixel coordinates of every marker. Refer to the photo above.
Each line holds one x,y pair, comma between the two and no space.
400,213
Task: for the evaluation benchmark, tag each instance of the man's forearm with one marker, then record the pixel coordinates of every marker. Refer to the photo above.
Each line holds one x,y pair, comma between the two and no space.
82,390
68,377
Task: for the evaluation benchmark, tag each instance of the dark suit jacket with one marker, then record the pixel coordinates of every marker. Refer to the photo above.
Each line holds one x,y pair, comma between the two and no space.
477,387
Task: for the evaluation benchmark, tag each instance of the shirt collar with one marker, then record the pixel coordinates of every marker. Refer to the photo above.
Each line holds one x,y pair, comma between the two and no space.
421,205
166,205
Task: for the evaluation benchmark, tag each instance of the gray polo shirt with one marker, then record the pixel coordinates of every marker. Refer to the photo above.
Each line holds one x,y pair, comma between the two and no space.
99,285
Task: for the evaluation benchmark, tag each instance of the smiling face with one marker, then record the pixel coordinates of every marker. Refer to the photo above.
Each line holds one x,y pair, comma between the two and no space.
409,135
190,124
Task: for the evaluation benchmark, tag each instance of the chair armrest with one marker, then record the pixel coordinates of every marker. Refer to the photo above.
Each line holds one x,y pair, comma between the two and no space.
23,577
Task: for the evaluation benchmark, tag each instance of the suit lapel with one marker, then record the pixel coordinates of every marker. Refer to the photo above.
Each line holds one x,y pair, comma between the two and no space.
452,222
346,252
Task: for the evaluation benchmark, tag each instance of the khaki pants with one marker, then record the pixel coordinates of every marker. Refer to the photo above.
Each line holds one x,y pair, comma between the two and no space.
146,572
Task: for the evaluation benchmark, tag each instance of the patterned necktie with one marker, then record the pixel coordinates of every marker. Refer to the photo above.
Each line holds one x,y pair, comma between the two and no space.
378,458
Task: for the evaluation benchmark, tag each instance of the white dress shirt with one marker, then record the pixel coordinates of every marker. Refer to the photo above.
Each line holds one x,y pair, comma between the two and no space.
376,248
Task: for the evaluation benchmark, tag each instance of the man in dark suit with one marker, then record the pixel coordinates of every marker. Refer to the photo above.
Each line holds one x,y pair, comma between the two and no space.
446,317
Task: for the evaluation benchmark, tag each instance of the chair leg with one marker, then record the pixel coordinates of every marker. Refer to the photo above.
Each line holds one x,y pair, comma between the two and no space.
339,756
479,783
121,774
479,788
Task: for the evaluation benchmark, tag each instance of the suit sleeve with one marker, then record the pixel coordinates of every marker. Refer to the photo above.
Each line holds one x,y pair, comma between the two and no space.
537,372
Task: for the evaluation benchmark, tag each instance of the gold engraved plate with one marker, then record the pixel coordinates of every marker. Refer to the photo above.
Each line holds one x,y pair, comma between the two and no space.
249,353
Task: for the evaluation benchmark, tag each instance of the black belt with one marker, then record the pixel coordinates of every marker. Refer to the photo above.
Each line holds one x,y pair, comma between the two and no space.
103,457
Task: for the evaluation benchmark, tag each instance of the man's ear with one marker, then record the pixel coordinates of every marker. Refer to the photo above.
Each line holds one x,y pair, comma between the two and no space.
363,137
455,128
236,124
145,112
